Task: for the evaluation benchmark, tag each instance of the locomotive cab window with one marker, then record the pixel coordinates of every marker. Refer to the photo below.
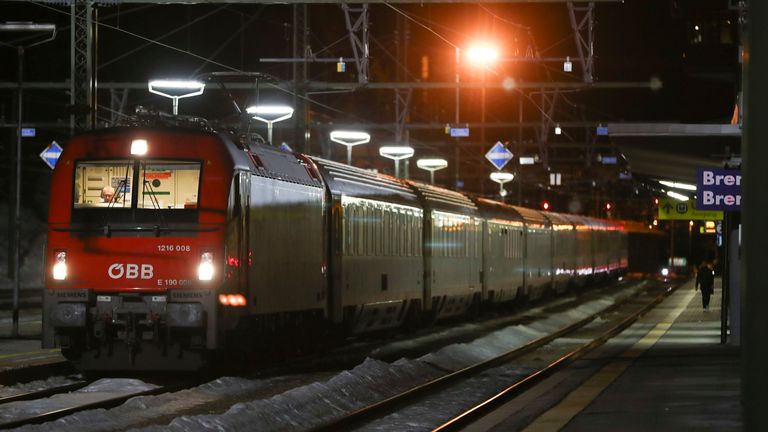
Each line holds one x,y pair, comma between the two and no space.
169,185
162,184
105,183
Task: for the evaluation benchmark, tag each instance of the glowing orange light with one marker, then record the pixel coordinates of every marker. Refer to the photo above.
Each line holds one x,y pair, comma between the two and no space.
237,300
482,54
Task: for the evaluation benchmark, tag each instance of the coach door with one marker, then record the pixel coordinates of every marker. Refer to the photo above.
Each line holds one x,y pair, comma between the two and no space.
238,238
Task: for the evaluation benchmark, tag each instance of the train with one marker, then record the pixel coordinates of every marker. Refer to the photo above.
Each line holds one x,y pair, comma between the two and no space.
170,243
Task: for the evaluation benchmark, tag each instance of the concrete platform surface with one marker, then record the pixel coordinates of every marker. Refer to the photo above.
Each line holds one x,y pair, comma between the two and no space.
667,372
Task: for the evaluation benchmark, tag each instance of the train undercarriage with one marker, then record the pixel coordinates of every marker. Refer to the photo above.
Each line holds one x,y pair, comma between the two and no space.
108,331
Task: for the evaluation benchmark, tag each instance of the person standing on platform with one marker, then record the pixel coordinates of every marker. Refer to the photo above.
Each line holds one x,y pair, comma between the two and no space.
705,281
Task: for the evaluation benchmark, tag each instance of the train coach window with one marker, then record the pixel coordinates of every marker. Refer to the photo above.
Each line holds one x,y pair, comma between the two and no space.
169,185
104,183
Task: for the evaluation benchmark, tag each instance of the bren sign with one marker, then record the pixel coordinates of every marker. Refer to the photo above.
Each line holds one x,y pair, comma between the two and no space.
718,189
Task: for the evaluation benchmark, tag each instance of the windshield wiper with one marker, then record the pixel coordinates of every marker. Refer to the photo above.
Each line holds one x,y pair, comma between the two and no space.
147,186
121,188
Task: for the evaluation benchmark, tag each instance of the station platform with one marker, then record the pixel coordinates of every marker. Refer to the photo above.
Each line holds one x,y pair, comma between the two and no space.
24,350
667,372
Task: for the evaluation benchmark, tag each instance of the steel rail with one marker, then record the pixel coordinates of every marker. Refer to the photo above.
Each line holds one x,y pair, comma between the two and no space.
34,372
37,394
375,410
105,403
516,389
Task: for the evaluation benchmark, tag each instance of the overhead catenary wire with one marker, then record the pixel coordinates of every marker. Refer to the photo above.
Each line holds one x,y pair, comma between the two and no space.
200,57
314,102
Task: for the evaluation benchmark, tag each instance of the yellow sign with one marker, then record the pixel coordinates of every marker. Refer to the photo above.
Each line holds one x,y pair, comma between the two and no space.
672,209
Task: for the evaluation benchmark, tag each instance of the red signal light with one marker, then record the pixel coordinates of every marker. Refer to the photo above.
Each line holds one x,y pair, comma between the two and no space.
545,205
656,201
608,206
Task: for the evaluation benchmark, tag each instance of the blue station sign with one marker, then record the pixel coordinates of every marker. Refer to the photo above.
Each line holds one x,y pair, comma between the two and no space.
51,154
718,189
499,155
457,132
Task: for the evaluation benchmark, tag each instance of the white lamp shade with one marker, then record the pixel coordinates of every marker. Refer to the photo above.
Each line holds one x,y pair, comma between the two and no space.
176,88
502,177
432,164
350,138
270,113
396,152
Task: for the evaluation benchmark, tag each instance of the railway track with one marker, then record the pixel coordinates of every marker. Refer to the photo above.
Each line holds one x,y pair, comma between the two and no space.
179,406
375,415
27,409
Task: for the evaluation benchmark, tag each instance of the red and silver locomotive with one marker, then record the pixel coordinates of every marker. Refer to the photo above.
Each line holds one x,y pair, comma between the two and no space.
166,244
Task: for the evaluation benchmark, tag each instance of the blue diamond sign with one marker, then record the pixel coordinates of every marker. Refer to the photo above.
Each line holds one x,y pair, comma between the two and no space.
51,154
498,155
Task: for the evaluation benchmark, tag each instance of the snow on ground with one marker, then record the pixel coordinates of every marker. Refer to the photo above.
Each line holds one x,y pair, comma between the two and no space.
452,401
143,409
304,407
313,405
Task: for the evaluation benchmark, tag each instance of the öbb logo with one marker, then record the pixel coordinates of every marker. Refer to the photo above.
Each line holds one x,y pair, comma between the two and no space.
131,271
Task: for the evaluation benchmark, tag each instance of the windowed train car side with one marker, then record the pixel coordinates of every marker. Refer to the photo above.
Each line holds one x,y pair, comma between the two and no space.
453,252
376,251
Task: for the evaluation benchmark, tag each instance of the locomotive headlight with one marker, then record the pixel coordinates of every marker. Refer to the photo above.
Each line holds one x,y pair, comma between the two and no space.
60,265
205,269
139,147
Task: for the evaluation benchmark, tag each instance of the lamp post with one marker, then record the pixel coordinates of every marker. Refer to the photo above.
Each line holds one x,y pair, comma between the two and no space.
175,89
456,144
350,139
28,29
396,153
483,55
432,165
501,177
270,114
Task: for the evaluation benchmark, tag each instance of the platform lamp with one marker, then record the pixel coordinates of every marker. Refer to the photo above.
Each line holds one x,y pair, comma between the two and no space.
350,139
26,31
270,114
501,177
396,153
175,90
432,165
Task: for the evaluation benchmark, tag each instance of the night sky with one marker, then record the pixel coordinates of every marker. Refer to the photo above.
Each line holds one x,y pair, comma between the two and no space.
634,41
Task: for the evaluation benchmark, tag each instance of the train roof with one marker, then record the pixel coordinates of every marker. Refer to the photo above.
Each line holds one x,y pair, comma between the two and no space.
351,181
95,142
491,209
277,164
559,220
435,198
579,222
532,217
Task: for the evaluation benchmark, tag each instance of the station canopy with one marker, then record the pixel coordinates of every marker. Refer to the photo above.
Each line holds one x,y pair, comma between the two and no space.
673,151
